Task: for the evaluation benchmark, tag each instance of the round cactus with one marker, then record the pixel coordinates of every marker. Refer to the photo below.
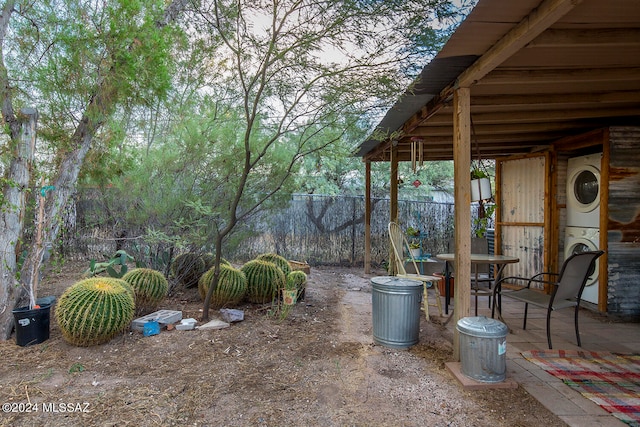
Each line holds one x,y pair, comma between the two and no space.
231,289
208,259
297,280
150,288
187,268
92,311
264,281
278,260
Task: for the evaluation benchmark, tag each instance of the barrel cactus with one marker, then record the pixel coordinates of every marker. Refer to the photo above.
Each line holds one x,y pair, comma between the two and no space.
210,259
278,260
264,281
150,287
231,289
297,280
93,311
187,268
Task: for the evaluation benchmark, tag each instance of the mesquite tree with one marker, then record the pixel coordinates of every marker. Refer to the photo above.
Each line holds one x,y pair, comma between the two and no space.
300,75
78,62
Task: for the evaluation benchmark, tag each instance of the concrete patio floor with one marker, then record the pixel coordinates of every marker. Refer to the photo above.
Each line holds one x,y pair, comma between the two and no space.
597,333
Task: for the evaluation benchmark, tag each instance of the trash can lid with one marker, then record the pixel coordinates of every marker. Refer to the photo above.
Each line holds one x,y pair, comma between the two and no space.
482,326
395,281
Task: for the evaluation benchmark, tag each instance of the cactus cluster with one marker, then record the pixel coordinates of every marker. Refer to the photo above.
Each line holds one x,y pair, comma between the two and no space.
93,311
264,281
297,280
231,289
150,288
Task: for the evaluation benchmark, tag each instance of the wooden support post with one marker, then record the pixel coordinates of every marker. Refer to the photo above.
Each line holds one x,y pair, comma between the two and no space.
367,217
462,200
393,200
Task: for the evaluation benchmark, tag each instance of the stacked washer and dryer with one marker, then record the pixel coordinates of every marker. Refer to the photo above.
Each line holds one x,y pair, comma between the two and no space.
583,213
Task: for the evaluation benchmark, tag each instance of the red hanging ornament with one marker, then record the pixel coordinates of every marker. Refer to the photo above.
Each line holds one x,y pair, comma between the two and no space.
416,183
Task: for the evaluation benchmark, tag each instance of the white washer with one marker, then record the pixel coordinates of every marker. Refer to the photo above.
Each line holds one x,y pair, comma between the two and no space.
581,239
583,191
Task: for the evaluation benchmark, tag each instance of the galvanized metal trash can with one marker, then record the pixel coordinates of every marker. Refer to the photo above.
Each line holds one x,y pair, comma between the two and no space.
396,311
483,348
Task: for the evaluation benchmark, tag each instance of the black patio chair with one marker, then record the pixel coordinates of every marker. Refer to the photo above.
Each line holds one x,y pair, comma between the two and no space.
566,290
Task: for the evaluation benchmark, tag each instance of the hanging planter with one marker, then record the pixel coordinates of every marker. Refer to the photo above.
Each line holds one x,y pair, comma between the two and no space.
480,186
480,189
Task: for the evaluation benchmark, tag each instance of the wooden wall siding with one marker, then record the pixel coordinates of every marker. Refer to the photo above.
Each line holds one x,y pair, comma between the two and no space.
624,222
561,195
522,194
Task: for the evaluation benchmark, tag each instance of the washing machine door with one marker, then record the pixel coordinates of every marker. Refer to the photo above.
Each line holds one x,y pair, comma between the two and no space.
579,247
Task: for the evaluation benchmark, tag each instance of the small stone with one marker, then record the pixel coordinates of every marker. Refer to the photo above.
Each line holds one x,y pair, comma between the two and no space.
231,315
215,324
186,324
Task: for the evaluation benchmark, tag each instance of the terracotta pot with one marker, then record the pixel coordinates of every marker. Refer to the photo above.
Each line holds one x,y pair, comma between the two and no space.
441,287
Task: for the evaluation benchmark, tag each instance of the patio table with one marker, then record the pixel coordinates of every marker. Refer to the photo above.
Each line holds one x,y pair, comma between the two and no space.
500,260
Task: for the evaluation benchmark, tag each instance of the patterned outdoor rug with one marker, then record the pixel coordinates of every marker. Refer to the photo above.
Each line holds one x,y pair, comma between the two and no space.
609,379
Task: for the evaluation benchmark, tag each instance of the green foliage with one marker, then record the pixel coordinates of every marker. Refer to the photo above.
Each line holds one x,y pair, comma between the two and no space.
76,367
187,268
278,260
412,232
94,310
478,174
114,267
264,280
150,288
231,289
481,223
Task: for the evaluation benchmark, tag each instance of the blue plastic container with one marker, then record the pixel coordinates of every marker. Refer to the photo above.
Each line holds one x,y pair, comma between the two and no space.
151,328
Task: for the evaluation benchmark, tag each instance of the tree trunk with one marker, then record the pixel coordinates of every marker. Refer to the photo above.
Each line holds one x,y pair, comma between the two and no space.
12,217
100,106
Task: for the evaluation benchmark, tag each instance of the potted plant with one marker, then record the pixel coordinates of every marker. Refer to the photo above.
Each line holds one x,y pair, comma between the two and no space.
480,185
414,248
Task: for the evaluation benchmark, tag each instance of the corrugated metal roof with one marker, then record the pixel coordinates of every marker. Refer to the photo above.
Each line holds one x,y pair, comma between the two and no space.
580,71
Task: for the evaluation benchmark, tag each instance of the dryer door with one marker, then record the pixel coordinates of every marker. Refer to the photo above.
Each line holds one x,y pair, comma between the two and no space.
586,189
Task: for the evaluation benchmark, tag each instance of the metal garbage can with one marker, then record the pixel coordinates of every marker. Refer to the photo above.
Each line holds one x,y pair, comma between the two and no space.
483,348
396,311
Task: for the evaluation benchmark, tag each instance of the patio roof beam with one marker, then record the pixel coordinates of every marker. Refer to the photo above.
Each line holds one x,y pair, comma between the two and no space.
590,37
542,116
563,75
529,28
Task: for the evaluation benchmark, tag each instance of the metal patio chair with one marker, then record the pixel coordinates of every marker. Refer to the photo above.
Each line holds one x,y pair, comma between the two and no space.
400,245
567,287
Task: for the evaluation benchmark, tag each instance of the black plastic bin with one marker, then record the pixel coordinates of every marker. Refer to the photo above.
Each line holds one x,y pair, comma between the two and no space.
32,325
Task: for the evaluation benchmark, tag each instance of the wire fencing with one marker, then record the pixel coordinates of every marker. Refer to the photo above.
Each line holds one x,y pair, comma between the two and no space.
321,230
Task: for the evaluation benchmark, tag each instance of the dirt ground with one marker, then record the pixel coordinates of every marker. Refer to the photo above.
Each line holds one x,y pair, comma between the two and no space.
319,366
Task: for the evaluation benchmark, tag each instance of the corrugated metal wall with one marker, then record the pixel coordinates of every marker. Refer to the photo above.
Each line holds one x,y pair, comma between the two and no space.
522,190
624,222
